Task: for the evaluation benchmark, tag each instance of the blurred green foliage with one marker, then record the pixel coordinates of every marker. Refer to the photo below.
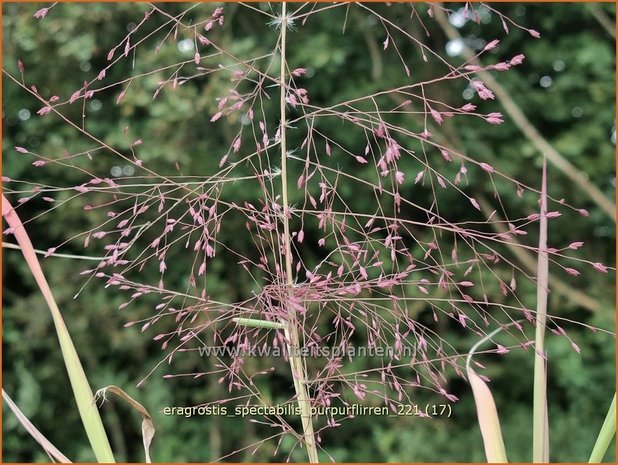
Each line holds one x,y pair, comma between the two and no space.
575,112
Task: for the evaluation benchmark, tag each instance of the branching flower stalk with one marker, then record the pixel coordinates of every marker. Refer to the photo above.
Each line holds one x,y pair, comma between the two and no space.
291,327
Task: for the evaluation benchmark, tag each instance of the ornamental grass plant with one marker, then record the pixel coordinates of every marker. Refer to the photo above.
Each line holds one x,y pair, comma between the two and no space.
248,179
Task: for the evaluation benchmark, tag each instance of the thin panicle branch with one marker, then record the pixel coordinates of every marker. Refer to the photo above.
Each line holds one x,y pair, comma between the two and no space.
527,128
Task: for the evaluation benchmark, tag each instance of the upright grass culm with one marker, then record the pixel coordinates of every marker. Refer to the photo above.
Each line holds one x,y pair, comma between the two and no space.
297,366
540,427
489,422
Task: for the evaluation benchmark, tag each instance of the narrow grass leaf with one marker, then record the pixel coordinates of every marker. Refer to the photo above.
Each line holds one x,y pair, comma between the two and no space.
79,383
49,448
488,419
486,410
148,429
607,433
